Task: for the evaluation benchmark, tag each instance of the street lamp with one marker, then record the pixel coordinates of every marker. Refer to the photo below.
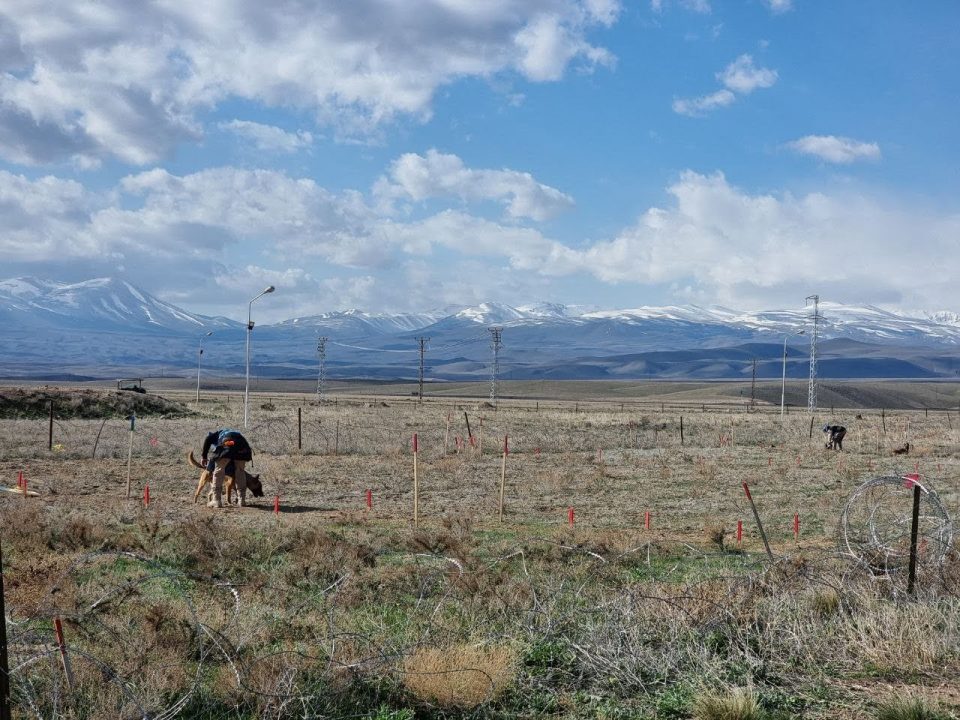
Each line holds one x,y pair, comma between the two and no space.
199,358
783,382
246,392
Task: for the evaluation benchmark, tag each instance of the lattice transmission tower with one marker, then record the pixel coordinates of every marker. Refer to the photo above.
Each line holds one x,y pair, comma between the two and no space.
322,369
423,346
495,345
812,388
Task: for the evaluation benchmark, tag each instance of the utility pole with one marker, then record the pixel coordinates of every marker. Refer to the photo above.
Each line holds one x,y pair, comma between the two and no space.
812,388
423,343
322,370
495,345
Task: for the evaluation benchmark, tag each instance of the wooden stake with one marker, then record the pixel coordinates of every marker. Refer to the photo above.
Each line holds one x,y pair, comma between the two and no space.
681,430
64,658
416,484
50,432
5,713
914,528
503,472
299,430
446,436
756,516
133,423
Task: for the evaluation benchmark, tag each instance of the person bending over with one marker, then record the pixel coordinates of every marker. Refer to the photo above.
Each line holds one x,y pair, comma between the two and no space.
835,436
220,447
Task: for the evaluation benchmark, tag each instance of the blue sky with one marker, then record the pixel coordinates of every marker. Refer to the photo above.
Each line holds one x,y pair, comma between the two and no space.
408,155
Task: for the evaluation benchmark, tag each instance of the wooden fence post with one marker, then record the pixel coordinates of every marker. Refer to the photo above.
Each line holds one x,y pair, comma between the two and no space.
4,663
50,432
503,472
299,429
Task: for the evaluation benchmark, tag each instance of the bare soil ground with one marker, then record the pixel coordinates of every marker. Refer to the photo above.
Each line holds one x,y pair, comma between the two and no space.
546,599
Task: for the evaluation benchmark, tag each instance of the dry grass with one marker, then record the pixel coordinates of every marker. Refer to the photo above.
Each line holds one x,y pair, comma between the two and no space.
459,676
738,704
328,605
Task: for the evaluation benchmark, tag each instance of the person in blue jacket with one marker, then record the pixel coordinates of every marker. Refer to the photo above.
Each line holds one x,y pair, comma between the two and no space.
220,448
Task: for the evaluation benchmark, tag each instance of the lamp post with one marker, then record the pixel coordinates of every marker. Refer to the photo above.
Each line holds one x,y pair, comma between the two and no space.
783,382
199,358
246,392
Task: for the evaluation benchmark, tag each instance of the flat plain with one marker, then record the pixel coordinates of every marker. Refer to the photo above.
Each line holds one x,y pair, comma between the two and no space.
614,585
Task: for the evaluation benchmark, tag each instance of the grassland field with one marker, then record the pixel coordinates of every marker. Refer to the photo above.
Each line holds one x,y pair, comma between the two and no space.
329,608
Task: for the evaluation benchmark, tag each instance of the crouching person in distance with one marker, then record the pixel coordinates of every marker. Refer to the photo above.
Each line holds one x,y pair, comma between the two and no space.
835,436
221,447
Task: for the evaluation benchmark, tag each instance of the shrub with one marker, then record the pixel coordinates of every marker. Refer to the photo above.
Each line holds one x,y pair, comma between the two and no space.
462,676
739,704
914,708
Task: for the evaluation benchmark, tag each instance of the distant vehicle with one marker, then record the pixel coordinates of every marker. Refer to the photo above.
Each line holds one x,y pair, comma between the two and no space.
131,384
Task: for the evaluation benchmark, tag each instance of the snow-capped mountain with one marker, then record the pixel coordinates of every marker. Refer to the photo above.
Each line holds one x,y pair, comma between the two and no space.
100,324
99,304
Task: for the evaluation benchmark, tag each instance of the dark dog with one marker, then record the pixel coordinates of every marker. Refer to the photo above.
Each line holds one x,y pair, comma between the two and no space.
206,477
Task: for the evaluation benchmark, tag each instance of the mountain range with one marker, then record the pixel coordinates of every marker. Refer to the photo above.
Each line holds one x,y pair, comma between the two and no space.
107,327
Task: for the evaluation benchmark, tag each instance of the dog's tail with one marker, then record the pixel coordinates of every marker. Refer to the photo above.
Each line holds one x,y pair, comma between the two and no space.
193,461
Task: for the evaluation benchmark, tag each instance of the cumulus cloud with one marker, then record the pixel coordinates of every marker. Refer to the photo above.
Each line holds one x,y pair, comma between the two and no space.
834,149
205,238
717,243
743,77
438,175
88,81
269,137
695,107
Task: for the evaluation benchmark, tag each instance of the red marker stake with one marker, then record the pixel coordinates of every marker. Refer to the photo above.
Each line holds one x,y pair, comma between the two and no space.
20,480
739,532
646,520
570,516
796,527
276,504
62,646
146,496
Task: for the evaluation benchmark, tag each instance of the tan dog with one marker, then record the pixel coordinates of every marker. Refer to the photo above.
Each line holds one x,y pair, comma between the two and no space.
206,477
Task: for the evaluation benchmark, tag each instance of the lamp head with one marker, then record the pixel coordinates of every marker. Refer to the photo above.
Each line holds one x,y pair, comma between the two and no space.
209,334
269,290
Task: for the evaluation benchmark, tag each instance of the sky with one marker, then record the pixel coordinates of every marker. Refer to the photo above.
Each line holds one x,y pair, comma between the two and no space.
408,155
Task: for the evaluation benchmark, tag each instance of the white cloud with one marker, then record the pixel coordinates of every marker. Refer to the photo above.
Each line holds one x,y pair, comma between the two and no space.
698,6
743,249
839,150
127,80
778,7
741,77
205,238
695,107
269,137
437,175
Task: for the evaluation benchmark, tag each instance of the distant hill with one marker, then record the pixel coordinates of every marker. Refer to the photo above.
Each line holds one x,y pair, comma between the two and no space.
106,327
